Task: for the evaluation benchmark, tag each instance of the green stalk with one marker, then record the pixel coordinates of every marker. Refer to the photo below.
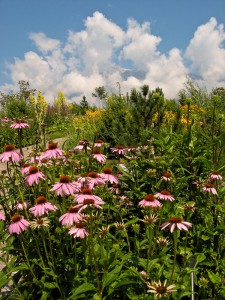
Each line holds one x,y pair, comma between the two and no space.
175,253
92,252
27,260
150,239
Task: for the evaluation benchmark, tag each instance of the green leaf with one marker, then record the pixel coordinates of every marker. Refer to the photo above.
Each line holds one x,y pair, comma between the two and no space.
201,257
220,227
3,281
205,237
111,276
50,285
215,278
83,288
133,221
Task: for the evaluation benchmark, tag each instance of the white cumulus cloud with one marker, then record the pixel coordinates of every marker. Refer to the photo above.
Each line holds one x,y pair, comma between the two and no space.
104,54
207,54
43,43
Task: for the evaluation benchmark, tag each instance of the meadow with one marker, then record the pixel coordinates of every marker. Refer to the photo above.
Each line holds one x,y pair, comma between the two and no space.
131,206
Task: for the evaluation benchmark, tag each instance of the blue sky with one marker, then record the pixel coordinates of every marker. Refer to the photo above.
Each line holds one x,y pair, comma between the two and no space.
75,46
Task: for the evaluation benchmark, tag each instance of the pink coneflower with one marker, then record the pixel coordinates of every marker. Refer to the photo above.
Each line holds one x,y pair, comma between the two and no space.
21,205
86,193
209,187
125,200
144,274
149,201
42,207
89,203
79,231
25,169
18,224
107,175
65,186
20,124
215,175
94,179
176,222
98,143
131,149
115,189
83,180
103,231
159,289
38,223
162,242
10,154
2,217
164,195
52,152
96,154
150,219
119,150
188,207
72,216
44,162
166,176
34,176
35,158
82,145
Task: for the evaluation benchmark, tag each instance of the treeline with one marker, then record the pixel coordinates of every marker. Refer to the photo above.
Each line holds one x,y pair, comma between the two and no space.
131,119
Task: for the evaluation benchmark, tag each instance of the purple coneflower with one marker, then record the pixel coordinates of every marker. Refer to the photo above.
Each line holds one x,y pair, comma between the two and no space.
188,207
96,154
20,124
159,289
176,222
83,180
42,207
209,187
164,195
65,186
2,217
115,189
166,176
94,179
52,152
107,175
89,203
34,176
25,169
21,205
149,201
150,219
18,224
44,162
119,150
79,231
215,175
162,242
86,193
72,216
98,143
10,154
38,223
131,149
82,145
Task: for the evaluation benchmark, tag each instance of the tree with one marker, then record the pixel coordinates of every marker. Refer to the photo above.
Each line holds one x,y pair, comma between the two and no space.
100,93
199,95
84,105
17,105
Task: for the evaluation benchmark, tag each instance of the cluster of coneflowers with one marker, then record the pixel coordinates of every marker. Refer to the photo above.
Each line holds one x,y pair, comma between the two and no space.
81,191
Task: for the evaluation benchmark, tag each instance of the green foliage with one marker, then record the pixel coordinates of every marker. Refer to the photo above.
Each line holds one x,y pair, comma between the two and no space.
126,251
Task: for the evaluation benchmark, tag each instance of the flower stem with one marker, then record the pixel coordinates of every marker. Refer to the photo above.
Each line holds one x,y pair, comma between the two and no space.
175,253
